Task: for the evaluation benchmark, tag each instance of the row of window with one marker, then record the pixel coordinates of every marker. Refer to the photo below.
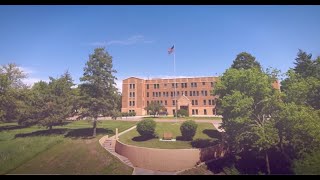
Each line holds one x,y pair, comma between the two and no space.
131,103
175,85
193,102
196,112
172,94
132,86
132,94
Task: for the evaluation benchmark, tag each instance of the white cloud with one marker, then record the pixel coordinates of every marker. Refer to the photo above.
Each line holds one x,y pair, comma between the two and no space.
130,41
31,81
27,70
119,85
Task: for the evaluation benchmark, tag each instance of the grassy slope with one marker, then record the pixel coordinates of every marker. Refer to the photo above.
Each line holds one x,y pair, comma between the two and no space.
35,147
132,137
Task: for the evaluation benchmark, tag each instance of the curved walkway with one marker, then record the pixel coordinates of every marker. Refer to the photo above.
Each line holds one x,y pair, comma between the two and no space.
108,143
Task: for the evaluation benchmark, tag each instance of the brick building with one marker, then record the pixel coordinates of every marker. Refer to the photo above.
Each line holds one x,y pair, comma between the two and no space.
192,94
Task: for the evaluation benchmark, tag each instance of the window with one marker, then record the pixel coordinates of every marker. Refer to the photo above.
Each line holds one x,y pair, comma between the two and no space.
165,85
196,102
147,103
192,84
203,83
159,94
165,102
213,102
130,86
204,102
155,86
164,94
202,93
167,94
214,111
174,112
133,94
178,93
153,94
205,112
192,111
185,85
133,103
205,93
190,93
147,86
130,95
161,102
172,85
194,93
182,85
196,111
130,103
197,93
129,111
173,102
156,94
171,94
133,86
158,86
147,94
209,101
186,93
212,84
176,85
192,102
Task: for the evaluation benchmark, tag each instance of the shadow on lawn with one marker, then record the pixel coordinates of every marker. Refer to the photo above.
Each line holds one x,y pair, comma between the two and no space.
43,133
212,133
87,132
11,127
142,138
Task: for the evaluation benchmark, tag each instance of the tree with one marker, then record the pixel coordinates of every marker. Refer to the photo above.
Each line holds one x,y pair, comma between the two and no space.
245,60
188,129
301,90
147,128
304,64
51,104
11,92
98,90
247,100
154,108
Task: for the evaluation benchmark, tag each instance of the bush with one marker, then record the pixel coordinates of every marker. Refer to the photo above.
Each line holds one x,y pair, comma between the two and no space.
188,129
203,143
147,127
115,114
182,113
125,114
308,164
132,113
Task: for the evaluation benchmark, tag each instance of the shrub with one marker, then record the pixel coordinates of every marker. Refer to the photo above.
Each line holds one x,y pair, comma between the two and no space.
182,113
132,113
203,143
125,114
115,114
188,129
146,127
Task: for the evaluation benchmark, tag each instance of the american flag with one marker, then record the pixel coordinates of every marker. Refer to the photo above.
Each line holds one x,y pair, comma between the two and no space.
170,50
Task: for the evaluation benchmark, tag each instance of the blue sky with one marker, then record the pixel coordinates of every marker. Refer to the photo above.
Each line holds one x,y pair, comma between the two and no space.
47,40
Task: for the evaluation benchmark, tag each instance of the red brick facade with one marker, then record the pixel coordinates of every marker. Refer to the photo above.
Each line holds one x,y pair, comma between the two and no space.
192,94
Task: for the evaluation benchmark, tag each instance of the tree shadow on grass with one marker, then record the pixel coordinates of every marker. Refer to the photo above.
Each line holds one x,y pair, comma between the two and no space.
11,127
203,143
86,133
43,133
212,133
142,138
181,138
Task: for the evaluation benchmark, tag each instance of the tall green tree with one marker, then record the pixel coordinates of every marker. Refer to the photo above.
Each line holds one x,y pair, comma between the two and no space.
304,65
98,88
154,108
245,60
51,103
11,92
247,100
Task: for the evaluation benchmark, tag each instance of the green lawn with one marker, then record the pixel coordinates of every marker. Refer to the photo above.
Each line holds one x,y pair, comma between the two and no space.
65,150
183,118
204,131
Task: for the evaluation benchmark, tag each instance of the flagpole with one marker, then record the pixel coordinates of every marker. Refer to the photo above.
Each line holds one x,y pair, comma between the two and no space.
175,83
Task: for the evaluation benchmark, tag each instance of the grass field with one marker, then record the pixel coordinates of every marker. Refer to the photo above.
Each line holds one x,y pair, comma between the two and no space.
64,150
204,131
184,118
